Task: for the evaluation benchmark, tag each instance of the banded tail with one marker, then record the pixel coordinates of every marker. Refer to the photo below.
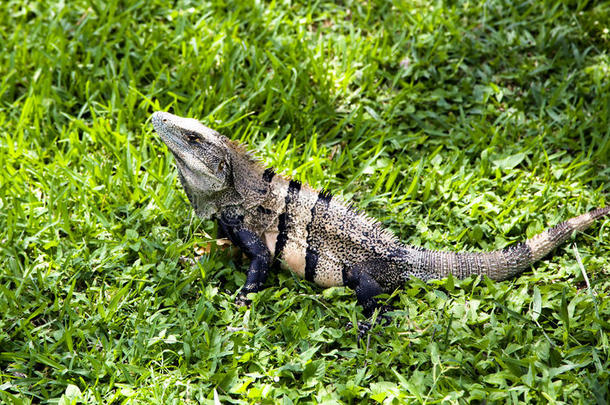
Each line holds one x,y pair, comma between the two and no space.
504,263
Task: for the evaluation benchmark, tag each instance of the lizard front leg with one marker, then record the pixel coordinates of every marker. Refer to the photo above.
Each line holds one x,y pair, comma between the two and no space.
255,249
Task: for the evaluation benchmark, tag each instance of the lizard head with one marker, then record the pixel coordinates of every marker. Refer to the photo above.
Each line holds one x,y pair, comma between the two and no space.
213,170
199,151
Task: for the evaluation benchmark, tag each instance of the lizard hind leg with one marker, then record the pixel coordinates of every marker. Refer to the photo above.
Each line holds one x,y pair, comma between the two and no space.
368,280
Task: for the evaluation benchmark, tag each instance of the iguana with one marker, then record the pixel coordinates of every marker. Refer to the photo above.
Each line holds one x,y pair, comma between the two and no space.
315,235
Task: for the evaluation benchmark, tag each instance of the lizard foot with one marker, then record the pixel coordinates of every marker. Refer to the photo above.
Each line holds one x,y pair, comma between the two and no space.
363,328
242,300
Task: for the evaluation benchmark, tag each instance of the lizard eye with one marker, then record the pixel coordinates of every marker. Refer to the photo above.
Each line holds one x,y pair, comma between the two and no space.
191,136
221,166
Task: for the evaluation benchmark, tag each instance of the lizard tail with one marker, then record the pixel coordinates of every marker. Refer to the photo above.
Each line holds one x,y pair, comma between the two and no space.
504,263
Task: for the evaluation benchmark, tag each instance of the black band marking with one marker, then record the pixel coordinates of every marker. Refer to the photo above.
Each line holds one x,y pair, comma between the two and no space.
284,220
313,242
560,233
325,196
282,236
311,262
599,212
268,175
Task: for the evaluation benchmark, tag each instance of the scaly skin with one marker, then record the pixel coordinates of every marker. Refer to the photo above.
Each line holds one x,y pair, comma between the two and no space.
315,235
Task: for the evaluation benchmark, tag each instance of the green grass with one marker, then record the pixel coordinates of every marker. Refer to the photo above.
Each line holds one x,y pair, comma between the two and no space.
460,125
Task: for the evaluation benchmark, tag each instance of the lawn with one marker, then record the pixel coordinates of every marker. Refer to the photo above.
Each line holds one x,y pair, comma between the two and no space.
460,125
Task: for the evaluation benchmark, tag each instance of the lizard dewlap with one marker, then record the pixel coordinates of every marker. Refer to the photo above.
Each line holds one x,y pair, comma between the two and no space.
317,236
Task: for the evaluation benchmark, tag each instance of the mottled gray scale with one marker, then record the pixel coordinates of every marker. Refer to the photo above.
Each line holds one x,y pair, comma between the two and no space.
448,263
480,265
492,261
542,244
593,215
316,236
370,240
501,268
475,264
518,257
338,246
463,265
488,264
434,266
428,264
558,234
389,275
298,216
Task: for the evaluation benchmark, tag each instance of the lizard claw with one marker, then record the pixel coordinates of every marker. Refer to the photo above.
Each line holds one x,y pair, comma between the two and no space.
242,300
363,328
